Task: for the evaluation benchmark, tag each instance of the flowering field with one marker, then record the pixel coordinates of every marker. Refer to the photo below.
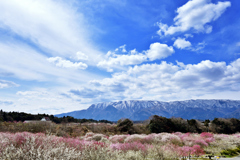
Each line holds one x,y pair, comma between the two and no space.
27,145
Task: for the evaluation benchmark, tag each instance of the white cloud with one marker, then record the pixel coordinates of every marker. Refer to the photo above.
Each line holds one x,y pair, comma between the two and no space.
197,47
40,100
123,48
159,51
81,56
238,44
156,51
32,93
7,84
22,62
36,30
134,51
167,81
57,27
188,35
86,93
201,74
122,60
59,62
195,14
181,43
117,61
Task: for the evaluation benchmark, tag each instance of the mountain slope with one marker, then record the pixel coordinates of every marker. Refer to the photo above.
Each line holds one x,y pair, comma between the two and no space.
141,110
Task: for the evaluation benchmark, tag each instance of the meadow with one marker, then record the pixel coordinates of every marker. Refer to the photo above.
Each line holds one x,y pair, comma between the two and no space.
78,142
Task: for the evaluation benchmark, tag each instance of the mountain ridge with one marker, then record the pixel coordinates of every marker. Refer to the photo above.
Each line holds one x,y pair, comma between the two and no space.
143,109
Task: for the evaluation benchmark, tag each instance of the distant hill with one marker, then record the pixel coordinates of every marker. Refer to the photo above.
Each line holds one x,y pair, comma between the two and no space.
141,110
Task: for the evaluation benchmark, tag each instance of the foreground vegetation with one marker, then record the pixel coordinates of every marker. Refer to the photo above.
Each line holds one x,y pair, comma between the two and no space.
158,138
93,146
123,140
154,124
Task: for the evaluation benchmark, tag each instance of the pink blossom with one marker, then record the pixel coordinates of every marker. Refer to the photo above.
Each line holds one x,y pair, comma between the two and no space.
206,135
197,150
185,151
201,142
209,140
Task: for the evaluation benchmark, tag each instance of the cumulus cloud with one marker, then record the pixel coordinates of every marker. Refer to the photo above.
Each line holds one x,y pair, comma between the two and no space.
7,84
181,43
122,60
59,62
196,15
156,51
206,72
167,81
159,51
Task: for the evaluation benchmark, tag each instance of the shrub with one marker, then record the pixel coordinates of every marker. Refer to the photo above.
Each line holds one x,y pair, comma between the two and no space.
98,137
160,124
125,125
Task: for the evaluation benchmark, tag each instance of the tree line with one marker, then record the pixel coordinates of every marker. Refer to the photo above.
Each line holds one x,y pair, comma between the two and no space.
21,116
158,124
155,124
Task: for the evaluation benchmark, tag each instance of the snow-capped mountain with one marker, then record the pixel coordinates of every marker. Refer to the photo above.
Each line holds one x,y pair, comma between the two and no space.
142,110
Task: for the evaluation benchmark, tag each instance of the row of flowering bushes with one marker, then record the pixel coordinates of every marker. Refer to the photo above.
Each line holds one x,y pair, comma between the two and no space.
27,145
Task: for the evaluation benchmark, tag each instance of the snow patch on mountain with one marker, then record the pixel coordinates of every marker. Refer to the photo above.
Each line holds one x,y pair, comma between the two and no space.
141,109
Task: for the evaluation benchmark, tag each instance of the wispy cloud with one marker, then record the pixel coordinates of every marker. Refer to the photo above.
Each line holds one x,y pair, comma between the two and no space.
56,27
7,84
23,62
81,56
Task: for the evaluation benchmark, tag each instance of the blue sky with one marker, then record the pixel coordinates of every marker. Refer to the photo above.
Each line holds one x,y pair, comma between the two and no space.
60,56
